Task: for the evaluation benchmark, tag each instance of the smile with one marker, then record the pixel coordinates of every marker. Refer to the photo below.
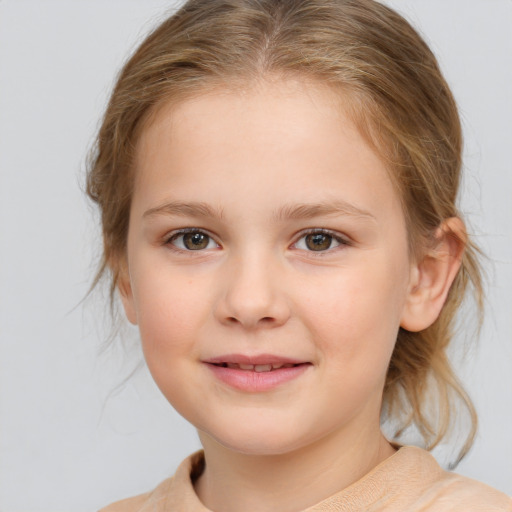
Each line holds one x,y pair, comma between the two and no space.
257,373
256,367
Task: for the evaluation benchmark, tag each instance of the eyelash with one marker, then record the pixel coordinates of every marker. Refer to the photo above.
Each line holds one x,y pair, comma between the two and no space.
181,232
342,241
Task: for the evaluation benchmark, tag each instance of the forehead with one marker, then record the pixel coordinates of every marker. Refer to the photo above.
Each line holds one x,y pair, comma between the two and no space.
277,104
288,140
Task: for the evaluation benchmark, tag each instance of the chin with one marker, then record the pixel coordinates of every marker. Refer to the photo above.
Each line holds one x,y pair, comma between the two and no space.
258,439
258,446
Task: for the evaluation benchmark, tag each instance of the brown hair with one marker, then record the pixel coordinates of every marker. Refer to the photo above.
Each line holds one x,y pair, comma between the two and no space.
398,99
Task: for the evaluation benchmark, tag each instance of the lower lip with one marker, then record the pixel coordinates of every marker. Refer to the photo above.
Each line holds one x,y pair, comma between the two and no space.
254,382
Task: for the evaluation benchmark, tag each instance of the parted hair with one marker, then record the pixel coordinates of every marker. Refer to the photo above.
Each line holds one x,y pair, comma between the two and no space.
399,101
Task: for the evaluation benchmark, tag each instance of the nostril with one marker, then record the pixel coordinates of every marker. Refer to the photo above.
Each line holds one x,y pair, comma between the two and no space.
266,320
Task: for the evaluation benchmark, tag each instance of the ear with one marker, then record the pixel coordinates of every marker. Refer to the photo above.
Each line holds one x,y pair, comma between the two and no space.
432,276
125,291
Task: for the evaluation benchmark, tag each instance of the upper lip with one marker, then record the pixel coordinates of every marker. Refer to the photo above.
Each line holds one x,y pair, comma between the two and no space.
253,359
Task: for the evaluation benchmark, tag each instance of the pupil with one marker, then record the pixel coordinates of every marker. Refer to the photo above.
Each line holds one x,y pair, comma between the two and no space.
318,241
195,241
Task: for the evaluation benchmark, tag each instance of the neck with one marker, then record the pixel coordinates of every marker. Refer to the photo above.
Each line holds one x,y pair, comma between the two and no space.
290,482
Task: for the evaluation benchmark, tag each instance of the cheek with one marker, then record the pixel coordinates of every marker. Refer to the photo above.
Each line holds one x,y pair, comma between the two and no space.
169,312
356,315
169,317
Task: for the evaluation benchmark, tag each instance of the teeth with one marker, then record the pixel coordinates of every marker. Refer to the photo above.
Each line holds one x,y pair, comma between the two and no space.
257,367
262,367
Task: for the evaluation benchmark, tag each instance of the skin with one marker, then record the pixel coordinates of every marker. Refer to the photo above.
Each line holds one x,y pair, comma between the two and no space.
257,287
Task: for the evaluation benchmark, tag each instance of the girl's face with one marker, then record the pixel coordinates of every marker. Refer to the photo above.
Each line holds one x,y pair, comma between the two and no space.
267,266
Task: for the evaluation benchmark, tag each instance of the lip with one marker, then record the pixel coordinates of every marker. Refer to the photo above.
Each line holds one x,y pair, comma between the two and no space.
253,359
252,381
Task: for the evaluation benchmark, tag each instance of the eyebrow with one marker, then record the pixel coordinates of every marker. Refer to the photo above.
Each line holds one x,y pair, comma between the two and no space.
299,211
181,209
304,211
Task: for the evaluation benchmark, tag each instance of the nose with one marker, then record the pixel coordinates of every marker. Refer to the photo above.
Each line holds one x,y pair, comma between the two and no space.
252,294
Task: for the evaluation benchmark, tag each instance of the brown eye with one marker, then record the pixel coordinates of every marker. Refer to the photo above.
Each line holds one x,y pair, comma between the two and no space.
192,241
195,241
318,241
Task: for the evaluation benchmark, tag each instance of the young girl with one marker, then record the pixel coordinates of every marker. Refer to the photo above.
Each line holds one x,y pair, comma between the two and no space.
277,182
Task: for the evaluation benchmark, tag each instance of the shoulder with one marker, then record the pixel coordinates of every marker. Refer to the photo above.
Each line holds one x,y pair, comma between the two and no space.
175,493
455,493
128,505
142,502
418,483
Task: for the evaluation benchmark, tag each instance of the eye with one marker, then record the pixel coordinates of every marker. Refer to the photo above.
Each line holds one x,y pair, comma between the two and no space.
192,240
319,241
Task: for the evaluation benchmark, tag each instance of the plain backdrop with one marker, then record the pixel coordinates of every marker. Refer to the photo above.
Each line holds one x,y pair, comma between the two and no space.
72,436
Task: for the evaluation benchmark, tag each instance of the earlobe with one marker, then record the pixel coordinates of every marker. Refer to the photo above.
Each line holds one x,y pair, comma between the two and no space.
125,291
432,277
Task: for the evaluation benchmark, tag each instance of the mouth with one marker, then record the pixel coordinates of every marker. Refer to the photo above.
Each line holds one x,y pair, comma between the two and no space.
259,368
255,374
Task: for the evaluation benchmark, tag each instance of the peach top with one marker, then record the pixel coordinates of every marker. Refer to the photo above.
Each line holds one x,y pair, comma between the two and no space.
409,481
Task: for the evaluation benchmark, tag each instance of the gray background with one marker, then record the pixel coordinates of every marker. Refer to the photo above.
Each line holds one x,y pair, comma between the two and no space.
72,438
